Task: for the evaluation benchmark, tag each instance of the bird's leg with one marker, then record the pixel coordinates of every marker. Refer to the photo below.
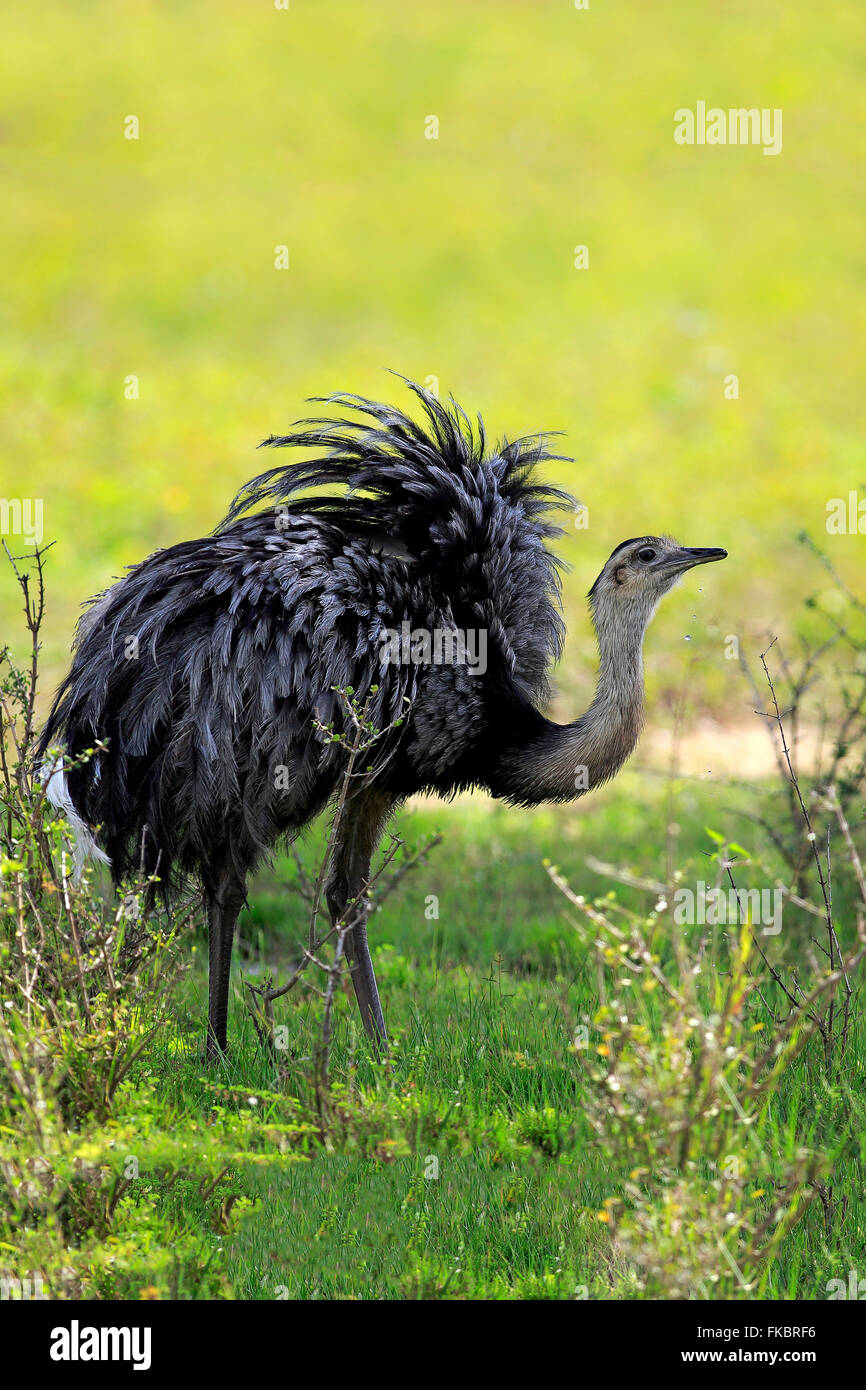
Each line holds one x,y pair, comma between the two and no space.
224,895
364,981
358,834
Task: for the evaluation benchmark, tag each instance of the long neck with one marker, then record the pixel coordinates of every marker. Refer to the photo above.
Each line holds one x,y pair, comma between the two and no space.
560,762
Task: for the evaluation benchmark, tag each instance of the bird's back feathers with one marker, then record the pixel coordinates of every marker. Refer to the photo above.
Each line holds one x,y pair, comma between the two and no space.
204,667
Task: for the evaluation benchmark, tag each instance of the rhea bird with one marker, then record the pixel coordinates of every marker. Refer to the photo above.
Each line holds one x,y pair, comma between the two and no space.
216,661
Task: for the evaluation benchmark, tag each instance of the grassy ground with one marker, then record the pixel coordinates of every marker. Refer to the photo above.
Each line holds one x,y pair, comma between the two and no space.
478,1162
467,1168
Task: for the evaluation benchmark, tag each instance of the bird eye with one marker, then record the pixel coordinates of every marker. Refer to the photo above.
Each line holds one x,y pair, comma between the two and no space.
646,554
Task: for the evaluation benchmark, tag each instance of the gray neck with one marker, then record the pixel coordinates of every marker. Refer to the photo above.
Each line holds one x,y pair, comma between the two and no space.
561,762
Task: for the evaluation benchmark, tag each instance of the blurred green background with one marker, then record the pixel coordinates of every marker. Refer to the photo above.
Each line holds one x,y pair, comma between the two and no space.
450,258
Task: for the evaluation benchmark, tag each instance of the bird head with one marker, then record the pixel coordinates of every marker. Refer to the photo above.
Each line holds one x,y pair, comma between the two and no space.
642,570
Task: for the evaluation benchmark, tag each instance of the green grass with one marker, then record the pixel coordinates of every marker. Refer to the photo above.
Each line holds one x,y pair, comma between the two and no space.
466,1167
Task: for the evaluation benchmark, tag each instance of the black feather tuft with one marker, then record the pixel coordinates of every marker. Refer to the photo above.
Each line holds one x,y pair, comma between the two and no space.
432,488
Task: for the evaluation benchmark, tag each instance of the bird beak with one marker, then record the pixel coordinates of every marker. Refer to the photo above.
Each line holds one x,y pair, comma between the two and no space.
688,556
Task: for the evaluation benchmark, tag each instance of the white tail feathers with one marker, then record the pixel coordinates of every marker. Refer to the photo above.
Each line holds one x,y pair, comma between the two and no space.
57,792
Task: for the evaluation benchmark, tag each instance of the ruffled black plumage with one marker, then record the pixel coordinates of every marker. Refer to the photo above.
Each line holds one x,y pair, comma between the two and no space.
203,668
